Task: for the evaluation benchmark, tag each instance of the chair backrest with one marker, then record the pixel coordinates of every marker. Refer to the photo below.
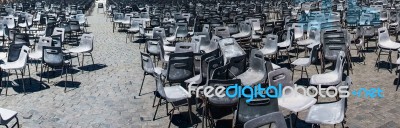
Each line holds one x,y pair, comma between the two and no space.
59,31
236,66
270,42
56,41
180,68
159,33
276,118
256,24
383,35
185,47
87,41
21,38
247,111
147,63
222,32
182,29
53,56
340,61
256,61
43,41
152,46
280,76
213,64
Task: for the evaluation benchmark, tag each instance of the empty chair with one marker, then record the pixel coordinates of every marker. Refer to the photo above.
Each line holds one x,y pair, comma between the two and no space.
245,31
7,115
185,47
329,113
53,57
386,44
293,101
37,53
85,47
218,102
134,28
148,68
305,62
59,31
222,32
332,78
182,31
9,21
276,118
286,45
257,71
16,63
270,47
173,95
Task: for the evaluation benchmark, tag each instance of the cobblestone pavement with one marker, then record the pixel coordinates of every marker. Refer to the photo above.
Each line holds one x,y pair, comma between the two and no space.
106,93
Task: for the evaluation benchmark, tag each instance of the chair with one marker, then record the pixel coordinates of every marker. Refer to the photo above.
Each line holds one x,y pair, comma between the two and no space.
270,47
85,47
9,21
53,57
182,31
332,78
37,53
7,115
275,118
16,62
215,101
245,31
205,59
222,32
180,67
329,113
385,43
293,101
305,62
257,71
247,111
236,66
59,31
134,28
173,95
185,47
148,68
286,45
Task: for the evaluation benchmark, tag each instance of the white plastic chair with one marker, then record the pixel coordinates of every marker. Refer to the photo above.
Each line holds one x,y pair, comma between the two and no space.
19,64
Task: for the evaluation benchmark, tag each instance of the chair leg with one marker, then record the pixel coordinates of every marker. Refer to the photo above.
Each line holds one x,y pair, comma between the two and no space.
23,83
92,58
30,78
155,113
316,68
378,58
66,78
140,91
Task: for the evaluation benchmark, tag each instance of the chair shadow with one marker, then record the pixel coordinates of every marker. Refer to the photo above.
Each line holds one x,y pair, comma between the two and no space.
303,81
31,85
54,74
69,84
358,59
386,65
92,67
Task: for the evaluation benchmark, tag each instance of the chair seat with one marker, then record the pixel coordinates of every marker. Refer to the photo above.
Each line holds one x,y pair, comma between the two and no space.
169,48
158,70
35,55
251,77
310,46
241,35
135,30
176,93
23,25
195,80
296,102
256,37
78,49
274,66
6,115
389,45
302,62
305,42
16,65
171,38
284,44
266,51
330,78
223,101
329,113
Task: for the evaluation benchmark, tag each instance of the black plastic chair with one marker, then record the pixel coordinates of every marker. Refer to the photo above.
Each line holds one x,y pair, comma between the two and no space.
276,118
53,57
225,102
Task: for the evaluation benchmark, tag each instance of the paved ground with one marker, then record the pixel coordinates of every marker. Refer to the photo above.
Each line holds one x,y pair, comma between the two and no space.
106,93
